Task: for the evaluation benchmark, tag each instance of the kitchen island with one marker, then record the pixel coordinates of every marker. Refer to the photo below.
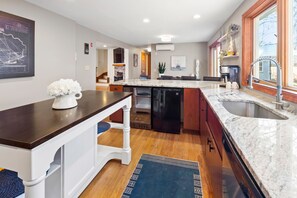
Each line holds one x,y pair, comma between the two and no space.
188,108
55,152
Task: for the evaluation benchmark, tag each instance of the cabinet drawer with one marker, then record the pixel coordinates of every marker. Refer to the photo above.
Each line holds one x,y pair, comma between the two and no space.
116,88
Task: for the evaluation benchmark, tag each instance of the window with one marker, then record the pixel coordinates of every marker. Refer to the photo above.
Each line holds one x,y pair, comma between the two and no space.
292,68
265,44
260,67
270,29
215,59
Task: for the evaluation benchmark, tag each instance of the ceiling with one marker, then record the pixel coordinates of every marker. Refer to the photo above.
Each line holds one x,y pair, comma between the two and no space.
123,19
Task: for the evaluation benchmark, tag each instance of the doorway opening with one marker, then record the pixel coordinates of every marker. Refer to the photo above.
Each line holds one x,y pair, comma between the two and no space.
145,64
102,79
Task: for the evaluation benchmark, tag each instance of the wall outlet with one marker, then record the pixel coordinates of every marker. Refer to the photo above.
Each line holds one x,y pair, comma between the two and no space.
87,67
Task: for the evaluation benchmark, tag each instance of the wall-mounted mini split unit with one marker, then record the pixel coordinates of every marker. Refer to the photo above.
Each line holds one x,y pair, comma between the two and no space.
164,47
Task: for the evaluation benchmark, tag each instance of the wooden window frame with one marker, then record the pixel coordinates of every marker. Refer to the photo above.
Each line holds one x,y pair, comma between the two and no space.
289,93
214,44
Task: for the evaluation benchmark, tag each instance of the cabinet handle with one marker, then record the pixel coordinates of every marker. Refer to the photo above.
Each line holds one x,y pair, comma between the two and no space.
208,141
211,148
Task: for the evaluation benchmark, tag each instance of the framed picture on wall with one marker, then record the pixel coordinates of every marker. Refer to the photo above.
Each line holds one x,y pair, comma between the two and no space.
135,60
16,46
86,49
178,62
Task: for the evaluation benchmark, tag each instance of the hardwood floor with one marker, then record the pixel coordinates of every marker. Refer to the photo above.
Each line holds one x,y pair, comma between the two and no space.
113,178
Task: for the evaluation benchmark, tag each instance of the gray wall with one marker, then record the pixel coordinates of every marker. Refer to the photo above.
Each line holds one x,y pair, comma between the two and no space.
134,72
236,18
59,44
86,63
54,54
192,51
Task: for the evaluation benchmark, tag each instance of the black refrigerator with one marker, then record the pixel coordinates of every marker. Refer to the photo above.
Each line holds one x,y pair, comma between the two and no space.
166,111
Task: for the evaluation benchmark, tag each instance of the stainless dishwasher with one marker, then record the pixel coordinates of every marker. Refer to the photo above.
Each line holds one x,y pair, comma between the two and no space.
237,180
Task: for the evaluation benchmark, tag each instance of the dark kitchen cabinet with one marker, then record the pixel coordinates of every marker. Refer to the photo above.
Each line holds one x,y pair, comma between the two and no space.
214,164
209,125
216,128
118,115
191,109
118,55
202,115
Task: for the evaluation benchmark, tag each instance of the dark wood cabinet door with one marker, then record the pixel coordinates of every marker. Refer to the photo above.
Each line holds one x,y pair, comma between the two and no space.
214,164
118,115
202,115
191,109
210,150
216,128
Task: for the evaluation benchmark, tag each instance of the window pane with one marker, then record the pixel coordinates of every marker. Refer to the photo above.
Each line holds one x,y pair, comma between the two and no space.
292,70
265,44
218,61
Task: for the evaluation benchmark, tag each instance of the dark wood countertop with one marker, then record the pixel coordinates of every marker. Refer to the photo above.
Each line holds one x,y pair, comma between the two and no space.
31,125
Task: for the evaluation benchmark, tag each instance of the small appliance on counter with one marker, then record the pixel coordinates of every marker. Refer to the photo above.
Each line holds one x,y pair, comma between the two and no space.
230,73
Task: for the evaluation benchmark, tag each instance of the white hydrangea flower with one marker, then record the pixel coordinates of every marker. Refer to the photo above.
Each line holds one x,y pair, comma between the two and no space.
63,87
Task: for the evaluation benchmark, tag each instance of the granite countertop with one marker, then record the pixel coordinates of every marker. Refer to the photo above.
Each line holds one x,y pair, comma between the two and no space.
166,83
267,146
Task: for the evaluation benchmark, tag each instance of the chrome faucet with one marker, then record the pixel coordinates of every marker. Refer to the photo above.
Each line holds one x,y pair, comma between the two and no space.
279,104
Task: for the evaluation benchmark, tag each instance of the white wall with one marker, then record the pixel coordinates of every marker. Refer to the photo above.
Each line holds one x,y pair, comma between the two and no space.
192,51
59,53
236,18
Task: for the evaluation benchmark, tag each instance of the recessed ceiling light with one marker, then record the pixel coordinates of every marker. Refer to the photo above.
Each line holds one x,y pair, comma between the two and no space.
196,16
146,20
166,38
104,45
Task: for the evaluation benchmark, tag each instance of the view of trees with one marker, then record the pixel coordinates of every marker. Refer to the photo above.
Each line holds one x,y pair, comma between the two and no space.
266,32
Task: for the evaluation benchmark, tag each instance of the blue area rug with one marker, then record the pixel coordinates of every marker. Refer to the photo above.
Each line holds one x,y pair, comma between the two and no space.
103,126
10,185
162,177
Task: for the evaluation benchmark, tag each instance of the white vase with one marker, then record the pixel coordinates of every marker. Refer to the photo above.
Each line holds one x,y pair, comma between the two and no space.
160,75
66,101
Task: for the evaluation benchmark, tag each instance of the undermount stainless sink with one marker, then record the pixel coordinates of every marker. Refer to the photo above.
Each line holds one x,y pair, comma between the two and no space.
250,109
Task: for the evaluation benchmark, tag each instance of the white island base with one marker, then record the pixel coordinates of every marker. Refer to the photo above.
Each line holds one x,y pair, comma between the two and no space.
65,165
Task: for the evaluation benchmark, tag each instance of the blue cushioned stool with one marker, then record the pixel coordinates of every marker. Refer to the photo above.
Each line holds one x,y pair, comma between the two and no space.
102,127
10,184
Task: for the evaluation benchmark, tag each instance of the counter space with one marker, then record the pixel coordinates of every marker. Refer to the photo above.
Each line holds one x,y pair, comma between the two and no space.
166,83
31,125
268,147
